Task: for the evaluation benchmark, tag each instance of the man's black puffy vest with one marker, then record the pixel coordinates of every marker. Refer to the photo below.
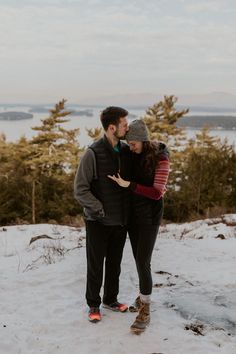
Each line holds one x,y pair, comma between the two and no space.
115,199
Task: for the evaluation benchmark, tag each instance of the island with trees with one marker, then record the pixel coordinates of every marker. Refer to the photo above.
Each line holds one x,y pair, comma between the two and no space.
15,116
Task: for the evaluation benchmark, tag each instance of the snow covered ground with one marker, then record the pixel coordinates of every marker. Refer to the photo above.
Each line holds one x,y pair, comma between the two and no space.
42,286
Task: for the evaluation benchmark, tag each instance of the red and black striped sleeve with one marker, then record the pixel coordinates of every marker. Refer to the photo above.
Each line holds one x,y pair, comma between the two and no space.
160,180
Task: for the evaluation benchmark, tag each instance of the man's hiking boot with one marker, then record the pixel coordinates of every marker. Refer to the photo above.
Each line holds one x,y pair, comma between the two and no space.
94,314
116,306
142,320
136,305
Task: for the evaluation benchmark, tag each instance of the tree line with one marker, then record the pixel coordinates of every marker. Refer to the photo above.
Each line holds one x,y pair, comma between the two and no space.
37,174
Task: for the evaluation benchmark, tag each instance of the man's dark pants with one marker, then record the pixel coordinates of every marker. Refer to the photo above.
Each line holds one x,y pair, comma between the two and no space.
103,242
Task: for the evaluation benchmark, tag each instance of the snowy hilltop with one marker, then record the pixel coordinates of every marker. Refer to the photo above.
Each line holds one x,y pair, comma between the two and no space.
43,277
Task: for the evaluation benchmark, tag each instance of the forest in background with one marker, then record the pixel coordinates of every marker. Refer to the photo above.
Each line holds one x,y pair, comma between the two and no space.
37,174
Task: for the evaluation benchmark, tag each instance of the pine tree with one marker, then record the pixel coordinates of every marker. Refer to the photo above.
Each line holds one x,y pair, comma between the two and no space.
94,133
56,155
36,176
205,180
56,148
15,192
161,121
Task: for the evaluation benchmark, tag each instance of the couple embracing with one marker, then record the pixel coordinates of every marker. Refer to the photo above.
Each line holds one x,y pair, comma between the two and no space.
121,188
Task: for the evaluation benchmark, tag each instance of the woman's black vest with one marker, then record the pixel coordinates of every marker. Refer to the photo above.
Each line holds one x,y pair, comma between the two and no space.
144,210
115,199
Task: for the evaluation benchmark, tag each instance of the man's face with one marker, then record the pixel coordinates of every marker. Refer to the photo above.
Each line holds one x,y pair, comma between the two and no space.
121,128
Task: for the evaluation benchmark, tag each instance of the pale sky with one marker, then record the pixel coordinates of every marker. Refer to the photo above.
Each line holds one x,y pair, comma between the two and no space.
77,49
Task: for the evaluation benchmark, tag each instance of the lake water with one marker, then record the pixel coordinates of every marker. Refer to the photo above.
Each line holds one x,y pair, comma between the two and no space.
15,129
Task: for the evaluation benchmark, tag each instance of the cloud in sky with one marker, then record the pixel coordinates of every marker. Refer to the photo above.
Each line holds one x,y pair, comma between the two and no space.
75,49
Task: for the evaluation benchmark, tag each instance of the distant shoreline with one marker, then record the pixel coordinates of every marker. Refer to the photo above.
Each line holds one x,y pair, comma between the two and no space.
192,120
14,116
210,128
218,122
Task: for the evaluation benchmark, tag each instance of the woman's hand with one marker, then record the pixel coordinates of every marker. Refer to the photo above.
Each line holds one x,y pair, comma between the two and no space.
119,180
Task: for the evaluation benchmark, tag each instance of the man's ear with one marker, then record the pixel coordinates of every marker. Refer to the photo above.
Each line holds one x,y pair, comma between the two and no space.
112,128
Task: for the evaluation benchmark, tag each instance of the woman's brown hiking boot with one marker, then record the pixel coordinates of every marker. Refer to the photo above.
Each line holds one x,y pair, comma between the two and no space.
142,320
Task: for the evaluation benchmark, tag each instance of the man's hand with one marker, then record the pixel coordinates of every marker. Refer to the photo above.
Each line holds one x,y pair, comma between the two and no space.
119,180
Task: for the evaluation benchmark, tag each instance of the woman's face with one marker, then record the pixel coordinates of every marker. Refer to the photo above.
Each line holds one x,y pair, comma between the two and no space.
136,146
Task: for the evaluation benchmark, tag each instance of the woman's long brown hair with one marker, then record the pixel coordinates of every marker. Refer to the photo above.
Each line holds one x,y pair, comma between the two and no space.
150,156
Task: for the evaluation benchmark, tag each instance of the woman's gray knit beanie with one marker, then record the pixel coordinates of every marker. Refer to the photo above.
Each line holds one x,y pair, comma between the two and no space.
137,131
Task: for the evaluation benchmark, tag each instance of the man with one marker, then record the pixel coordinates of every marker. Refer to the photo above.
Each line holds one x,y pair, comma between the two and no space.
106,207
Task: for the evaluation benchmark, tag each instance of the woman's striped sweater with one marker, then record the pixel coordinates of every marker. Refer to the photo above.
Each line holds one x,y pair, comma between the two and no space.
157,190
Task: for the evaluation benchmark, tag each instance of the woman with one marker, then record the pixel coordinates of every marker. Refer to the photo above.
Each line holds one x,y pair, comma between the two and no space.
150,165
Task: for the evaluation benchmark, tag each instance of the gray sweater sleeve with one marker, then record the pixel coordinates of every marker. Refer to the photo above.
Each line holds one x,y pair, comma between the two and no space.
86,172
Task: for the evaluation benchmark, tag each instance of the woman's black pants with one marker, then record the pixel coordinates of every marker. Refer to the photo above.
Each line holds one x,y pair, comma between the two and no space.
143,238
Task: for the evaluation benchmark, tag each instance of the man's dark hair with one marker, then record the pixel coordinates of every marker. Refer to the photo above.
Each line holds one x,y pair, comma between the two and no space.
112,115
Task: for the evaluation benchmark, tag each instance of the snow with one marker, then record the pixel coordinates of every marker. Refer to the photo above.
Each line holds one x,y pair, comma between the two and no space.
193,310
